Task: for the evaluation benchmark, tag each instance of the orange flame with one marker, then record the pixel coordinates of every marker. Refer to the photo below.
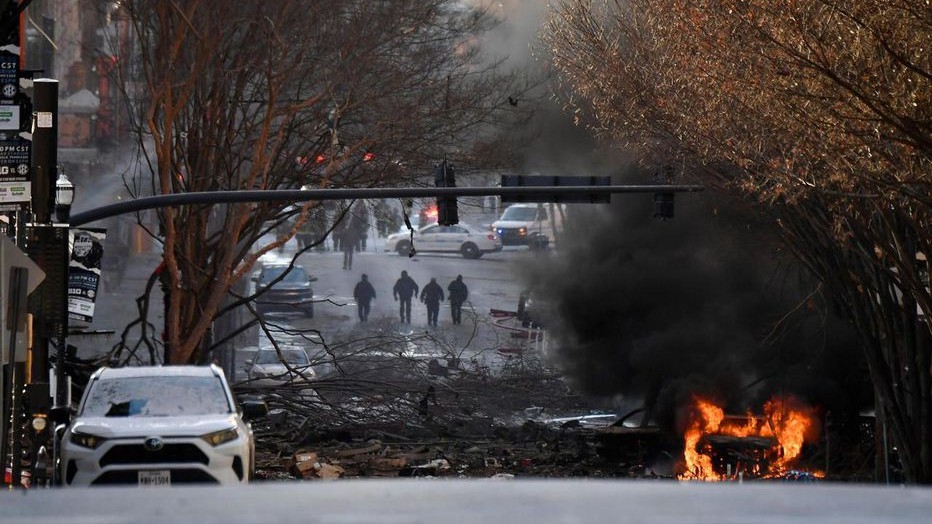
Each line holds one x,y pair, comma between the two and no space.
788,422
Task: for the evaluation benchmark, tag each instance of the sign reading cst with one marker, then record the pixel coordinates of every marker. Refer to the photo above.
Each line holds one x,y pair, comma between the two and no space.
87,250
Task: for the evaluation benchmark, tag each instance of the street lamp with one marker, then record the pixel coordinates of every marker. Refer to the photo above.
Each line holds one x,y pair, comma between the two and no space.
64,197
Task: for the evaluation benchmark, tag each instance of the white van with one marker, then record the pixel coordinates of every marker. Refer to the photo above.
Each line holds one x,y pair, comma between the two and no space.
529,224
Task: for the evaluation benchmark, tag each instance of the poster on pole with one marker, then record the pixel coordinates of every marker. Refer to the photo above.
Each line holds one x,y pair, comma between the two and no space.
87,251
15,158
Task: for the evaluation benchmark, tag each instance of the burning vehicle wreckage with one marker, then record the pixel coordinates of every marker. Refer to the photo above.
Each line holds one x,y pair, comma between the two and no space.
720,448
385,407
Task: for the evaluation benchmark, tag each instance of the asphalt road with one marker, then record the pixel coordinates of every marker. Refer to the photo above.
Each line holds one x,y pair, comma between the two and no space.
542,501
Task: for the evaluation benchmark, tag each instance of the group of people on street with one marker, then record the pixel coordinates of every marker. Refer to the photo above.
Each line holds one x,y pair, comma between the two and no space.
405,289
350,231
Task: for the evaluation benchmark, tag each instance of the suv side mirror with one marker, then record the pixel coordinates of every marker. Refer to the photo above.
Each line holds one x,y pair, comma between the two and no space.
253,409
312,279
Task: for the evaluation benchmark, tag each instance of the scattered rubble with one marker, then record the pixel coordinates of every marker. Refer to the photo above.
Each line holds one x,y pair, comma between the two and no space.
468,423
530,450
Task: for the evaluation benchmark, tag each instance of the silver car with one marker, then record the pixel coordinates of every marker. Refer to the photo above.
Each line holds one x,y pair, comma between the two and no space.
267,368
469,241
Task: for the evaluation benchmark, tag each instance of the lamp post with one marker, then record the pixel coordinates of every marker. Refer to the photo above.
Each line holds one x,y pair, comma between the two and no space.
64,197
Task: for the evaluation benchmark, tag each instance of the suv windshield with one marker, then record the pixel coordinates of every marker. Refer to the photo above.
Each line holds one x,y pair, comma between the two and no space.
525,214
295,357
157,396
297,274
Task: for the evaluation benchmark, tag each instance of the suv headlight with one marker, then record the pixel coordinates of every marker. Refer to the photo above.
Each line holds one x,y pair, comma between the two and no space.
86,441
220,437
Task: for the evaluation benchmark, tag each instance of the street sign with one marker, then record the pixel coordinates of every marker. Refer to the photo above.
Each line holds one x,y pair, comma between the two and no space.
557,196
13,193
15,160
11,256
9,116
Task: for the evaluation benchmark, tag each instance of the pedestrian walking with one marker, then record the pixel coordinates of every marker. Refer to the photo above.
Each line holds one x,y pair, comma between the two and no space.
305,235
282,231
458,293
405,288
432,295
349,240
360,223
338,235
394,221
381,218
363,293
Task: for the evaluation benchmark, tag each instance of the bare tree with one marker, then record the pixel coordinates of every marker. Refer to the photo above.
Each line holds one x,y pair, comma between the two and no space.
819,110
259,95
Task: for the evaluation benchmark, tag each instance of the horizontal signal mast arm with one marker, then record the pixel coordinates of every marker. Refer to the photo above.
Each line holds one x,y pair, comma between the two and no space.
303,195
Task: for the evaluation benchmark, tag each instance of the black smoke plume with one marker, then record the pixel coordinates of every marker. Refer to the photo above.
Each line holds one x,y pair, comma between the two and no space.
705,303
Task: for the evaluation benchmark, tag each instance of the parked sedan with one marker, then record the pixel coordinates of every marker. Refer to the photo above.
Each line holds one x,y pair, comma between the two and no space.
469,241
267,368
284,288
156,426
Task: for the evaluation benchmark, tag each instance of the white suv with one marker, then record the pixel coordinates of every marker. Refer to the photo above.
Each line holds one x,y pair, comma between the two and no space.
157,426
527,225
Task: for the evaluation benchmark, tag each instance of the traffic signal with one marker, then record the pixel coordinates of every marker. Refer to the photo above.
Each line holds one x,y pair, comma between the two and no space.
445,176
663,205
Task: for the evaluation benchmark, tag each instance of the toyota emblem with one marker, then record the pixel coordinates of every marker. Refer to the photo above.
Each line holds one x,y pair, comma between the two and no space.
153,444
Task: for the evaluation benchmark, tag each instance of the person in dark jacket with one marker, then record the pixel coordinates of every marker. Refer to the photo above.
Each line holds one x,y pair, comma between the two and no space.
349,241
363,293
432,295
458,293
404,289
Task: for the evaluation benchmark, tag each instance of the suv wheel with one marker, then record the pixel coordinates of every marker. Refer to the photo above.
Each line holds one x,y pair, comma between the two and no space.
403,247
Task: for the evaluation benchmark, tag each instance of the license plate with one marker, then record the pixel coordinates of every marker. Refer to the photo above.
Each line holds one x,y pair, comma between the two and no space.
159,478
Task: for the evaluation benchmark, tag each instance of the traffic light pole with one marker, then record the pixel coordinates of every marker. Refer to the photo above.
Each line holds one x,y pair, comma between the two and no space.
44,173
304,195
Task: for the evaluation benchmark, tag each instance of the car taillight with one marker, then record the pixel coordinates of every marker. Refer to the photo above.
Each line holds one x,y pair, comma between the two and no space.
492,236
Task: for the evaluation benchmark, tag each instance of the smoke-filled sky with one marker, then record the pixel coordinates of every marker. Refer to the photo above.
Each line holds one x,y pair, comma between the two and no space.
551,143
